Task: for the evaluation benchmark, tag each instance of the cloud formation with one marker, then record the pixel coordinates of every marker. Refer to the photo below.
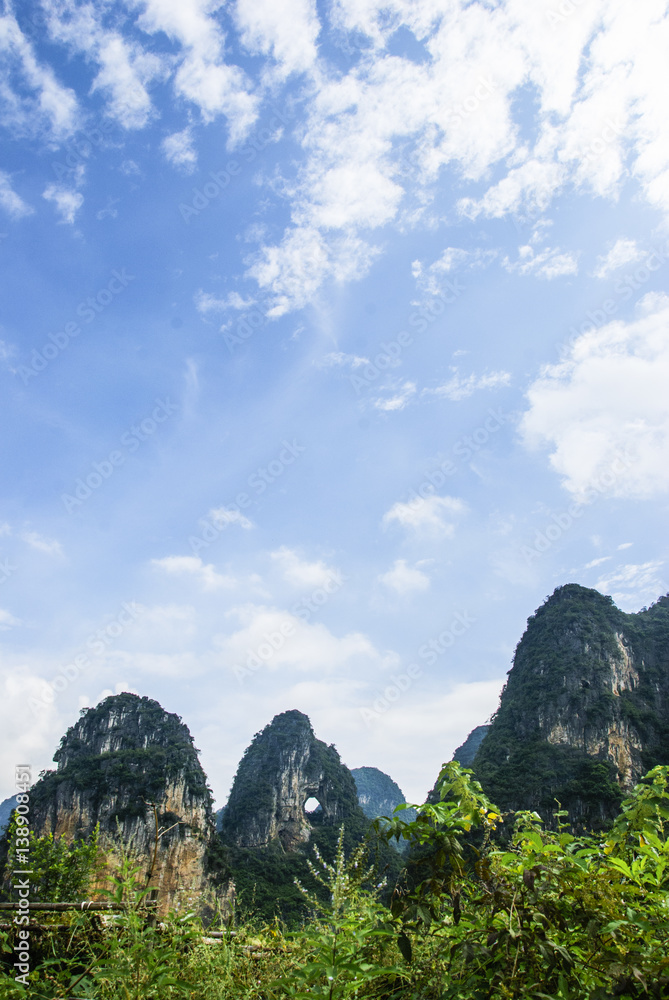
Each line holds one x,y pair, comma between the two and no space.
632,586
10,201
67,202
459,387
606,401
404,579
434,515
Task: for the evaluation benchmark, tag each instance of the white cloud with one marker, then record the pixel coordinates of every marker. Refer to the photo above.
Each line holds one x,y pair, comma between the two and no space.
48,545
625,545
43,104
119,688
632,586
7,620
431,278
27,737
379,136
125,69
67,202
206,303
548,264
436,720
193,566
396,123
399,400
460,388
222,517
597,562
604,410
10,201
125,72
277,640
293,271
340,359
179,150
130,169
286,31
300,573
622,252
109,211
202,76
404,579
434,515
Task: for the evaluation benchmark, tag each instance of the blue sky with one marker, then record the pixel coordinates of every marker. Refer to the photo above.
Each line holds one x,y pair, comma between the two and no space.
333,338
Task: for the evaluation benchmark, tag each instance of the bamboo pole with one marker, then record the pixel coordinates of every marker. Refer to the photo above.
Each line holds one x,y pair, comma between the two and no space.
63,907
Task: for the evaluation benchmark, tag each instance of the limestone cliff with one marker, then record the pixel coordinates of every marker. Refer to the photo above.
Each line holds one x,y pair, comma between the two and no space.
284,766
466,752
584,713
267,835
378,794
125,763
6,811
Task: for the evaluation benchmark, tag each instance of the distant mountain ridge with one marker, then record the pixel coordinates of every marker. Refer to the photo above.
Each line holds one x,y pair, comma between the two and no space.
6,812
378,794
467,751
583,715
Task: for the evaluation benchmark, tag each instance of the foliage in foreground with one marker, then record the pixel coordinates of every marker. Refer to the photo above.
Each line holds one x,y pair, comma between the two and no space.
536,913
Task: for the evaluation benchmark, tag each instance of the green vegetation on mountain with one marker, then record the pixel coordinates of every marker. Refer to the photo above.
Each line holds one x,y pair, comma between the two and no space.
125,751
495,901
554,916
589,685
467,751
285,746
269,838
378,794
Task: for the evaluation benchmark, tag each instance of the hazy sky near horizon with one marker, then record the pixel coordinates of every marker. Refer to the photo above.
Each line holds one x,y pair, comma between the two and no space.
333,338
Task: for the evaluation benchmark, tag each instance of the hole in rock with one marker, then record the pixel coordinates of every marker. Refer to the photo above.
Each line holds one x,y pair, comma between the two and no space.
312,805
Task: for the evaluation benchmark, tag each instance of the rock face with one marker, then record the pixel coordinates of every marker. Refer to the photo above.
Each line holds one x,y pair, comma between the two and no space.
6,812
123,764
467,751
378,794
284,766
268,838
584,713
